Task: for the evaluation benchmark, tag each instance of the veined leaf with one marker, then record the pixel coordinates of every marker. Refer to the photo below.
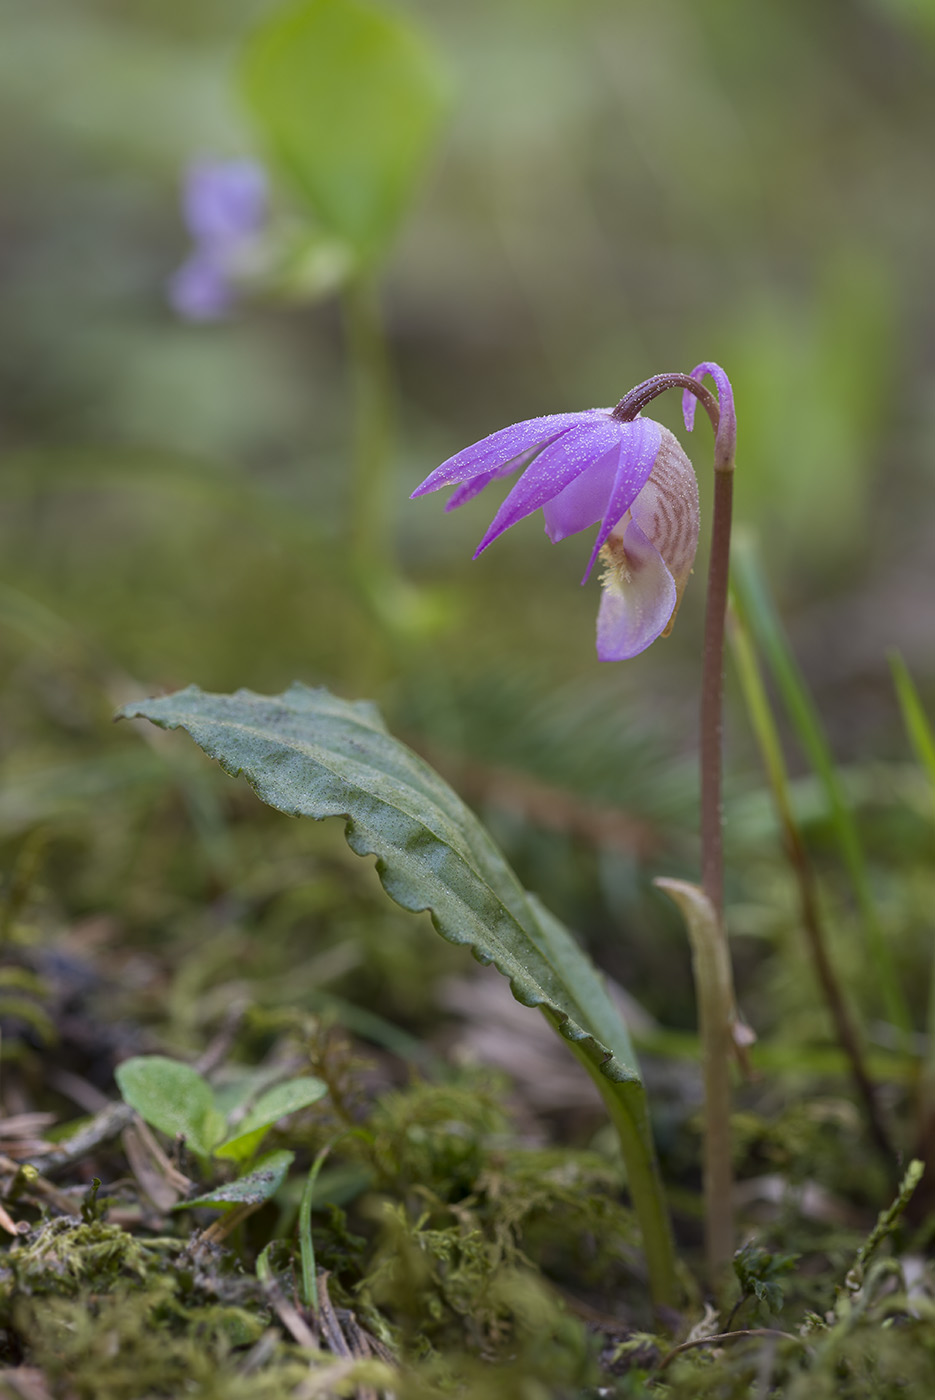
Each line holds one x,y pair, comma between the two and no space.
349,98
308,753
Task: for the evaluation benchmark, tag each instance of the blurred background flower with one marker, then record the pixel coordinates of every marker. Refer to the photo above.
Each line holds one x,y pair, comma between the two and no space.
225,206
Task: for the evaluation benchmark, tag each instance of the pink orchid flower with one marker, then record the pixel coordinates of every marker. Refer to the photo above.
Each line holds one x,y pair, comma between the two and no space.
628,476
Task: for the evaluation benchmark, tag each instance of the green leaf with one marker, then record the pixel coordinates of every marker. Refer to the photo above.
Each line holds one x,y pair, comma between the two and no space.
253,1189
309,753
350,99
276,1103
173,1098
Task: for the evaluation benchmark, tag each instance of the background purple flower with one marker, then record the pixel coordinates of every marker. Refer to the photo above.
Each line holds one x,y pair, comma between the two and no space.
225,208
631,479
225,201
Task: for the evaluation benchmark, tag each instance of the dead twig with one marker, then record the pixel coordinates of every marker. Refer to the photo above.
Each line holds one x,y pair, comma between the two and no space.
33,1185
289,1315
103,1127
330,1326
221,1228
720,1337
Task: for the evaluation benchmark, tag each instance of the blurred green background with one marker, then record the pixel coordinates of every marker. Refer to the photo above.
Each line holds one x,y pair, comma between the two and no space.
621,187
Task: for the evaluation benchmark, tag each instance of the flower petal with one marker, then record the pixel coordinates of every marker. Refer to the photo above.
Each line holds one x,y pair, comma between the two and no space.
224,201
575,451
726,444
584,500
666,510
502,447
636,610
200,289
638,450
475,484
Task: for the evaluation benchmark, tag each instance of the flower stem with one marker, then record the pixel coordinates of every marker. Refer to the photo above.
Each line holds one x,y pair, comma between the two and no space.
712,695
712,678
718,1167
639,398
704,908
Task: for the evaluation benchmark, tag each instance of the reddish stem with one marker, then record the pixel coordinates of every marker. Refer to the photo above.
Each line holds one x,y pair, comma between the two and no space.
712,695
712,679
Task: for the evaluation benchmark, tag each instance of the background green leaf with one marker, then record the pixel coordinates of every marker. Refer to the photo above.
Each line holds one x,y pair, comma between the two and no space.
172,1097
309,753
349,98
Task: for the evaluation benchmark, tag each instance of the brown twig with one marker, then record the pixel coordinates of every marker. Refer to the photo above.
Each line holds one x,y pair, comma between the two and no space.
104,1127
720,1337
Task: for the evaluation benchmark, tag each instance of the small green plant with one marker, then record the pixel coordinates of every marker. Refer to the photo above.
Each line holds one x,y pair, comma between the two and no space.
759,1272
227,1125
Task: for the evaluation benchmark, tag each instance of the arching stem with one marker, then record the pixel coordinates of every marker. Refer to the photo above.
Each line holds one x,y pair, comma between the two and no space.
712,677
704,908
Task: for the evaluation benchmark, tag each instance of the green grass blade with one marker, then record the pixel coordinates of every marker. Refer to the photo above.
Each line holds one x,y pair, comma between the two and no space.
766,733
306,1242
922,740
756,605
918,728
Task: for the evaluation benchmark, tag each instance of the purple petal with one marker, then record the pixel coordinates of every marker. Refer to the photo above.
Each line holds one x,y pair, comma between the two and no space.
469,489
576,450
633,614
584,500
200,290
224,201
727,428
502,447
667,510
638,451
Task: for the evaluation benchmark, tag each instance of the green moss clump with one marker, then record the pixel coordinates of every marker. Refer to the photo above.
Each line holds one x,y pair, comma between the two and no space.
127,1345
67,1255
436,1136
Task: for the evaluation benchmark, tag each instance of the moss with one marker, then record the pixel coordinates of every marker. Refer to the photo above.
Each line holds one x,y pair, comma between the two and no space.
122,1347
436,1136
67,1255
562,1209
